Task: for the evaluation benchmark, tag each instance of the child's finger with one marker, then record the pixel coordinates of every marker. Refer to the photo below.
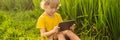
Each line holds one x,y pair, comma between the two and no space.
58,27
72,27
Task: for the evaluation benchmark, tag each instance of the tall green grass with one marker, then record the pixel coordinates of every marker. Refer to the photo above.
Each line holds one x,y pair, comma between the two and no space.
113,19
92,18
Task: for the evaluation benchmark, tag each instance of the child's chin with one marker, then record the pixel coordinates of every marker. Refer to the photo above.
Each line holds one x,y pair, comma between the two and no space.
53,12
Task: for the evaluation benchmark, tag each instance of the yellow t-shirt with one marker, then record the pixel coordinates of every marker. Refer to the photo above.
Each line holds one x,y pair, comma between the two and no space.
47,22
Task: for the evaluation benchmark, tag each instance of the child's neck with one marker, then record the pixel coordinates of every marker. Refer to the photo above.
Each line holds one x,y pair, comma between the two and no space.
48,14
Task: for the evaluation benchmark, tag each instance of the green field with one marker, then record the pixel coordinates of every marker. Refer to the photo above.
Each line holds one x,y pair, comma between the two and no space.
95,19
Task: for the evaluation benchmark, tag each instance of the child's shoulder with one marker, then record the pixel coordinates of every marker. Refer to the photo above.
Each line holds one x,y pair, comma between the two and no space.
57,14
42,16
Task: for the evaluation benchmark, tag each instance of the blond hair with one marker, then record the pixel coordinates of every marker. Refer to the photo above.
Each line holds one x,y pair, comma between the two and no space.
45,3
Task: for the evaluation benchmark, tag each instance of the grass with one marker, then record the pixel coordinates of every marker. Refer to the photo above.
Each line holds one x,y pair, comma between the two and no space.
16,26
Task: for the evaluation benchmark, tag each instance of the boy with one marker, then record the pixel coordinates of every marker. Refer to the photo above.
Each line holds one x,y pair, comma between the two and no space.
49,20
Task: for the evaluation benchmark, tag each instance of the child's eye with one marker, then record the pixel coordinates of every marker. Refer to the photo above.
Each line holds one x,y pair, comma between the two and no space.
52,7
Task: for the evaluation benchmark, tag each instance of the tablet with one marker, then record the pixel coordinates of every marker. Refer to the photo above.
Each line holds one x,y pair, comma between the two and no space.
65,25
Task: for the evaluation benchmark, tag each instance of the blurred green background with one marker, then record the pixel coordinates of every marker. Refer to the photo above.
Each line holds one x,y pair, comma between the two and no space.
95,19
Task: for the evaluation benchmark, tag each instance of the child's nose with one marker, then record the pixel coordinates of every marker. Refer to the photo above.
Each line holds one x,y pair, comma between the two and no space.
53,10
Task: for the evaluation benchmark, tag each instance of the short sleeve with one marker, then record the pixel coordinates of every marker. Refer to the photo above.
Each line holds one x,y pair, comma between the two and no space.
40,23
60,18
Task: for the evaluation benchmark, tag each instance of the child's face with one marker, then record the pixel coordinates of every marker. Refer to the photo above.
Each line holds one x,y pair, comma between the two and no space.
51,10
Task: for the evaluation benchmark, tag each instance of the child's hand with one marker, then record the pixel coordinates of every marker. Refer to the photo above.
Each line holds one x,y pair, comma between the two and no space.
56,29
72,27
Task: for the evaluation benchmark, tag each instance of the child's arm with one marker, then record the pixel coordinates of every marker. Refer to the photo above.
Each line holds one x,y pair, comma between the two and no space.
44,33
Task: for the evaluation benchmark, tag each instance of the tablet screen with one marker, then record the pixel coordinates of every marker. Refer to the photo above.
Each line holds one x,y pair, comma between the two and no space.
65,25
